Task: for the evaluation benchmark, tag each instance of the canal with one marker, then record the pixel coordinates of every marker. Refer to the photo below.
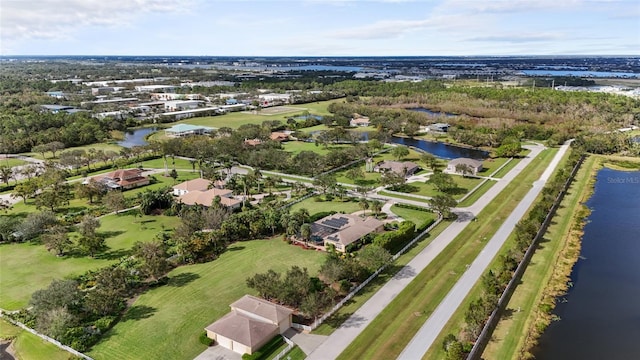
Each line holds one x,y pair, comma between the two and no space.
600,314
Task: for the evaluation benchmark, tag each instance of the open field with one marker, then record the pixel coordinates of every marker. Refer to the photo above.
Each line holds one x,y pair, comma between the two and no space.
99,146
173,163
296,147
30,347
418,217
508,337
196,296
388,334
314,207
27,267
465,184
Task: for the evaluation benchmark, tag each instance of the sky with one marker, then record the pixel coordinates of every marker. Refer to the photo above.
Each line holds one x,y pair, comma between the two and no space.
320,27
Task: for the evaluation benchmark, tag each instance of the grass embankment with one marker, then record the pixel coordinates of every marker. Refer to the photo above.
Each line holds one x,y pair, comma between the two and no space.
416,216
27,267
547,274
333,322
456,323
196,296
30,347
622,163
388,334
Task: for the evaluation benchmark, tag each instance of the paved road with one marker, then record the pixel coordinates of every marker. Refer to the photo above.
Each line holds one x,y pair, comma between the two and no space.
427,334
352,327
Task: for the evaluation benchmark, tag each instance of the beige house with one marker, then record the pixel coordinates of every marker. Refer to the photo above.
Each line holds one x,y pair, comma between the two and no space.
359,120
475,166
342,230
198,192
251,323
400,167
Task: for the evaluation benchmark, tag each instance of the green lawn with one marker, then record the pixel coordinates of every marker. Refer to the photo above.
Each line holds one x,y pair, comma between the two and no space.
27,267
178,164
348,206
416,216
99,146
490,165
388,334
196,296
30,347
508,337
296,147
465,184
11,162
477,194
373,178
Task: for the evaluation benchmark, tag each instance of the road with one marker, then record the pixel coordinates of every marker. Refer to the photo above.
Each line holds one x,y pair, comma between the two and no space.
352,327
427,334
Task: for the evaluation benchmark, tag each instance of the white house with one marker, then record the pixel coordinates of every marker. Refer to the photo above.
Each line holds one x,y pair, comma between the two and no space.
179,105
474,165
359,120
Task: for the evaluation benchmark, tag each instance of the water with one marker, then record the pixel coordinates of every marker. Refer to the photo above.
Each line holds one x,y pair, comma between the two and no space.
441,150
434,113
601,316
580,73
136,137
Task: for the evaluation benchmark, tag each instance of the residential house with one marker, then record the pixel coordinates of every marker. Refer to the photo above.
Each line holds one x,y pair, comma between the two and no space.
401,167
252,142
439,127
475,166
273,99
174,96
359,120
251,323
279,136
123,179
342,230
202,192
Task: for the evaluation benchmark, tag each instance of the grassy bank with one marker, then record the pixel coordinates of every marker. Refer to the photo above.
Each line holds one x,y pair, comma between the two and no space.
388,334
28,346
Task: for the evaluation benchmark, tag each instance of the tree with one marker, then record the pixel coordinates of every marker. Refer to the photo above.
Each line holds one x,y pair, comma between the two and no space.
442,204
173,174
464,169
305,232
325,182
41,149
399,152
57,239
6,174
114,201
54,147
90,190
442,181
372,257
376,207
59,294
430,161
364,205
355,173
55,322
392,179
35,224
107,297
154,258
54,190
90,241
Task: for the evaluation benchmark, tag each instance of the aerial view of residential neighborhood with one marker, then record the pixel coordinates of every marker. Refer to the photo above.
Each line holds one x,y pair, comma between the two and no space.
319,179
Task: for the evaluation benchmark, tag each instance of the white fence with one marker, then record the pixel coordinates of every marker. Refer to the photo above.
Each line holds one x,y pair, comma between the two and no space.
45,337
283,353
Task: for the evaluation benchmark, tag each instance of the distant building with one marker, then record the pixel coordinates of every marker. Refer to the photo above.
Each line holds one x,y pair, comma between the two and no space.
475,166
54,109
401,167
181,130
185,114
252,142
273,99
174,96
57,94
179,105
155,88
251,323
105,90
439,127
279,136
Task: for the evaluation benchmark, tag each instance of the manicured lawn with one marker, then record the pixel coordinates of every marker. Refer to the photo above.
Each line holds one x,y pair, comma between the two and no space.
477,194
465,184
296,354
373,178
347,207
100,146
508,337
27,267
178,164
196,296
418,217
388,334
11,162
490,165
30,347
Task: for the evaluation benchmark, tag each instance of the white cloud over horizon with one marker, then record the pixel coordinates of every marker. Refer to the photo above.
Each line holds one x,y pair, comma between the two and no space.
318,27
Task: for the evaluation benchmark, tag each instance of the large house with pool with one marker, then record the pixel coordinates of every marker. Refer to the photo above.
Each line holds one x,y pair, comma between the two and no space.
181,130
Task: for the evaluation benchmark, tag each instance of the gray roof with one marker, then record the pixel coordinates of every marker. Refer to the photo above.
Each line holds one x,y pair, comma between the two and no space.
243,329
262,308
397,166
466,161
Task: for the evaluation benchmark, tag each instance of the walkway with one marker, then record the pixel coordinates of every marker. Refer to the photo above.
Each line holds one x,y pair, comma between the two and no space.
352,327
425,337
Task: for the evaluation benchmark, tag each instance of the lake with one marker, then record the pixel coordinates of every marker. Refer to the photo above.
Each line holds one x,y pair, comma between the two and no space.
136,137
441,150
600,315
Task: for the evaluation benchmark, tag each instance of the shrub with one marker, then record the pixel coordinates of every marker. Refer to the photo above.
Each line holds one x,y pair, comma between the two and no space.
205,340
104,323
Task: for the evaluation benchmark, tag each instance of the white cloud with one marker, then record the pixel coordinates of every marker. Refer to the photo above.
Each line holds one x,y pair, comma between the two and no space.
518,38
56,19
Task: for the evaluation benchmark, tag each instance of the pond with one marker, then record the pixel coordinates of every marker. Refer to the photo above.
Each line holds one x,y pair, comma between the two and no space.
434,113
600,315
136,137
441,150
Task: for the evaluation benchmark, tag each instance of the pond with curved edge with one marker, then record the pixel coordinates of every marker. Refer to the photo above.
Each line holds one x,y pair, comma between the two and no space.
600,314
136,137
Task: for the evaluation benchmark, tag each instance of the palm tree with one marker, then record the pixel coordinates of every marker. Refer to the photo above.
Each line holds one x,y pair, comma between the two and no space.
364,204
376,207
305,232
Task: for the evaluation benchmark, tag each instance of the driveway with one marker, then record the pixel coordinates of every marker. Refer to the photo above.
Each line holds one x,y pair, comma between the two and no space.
218,352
